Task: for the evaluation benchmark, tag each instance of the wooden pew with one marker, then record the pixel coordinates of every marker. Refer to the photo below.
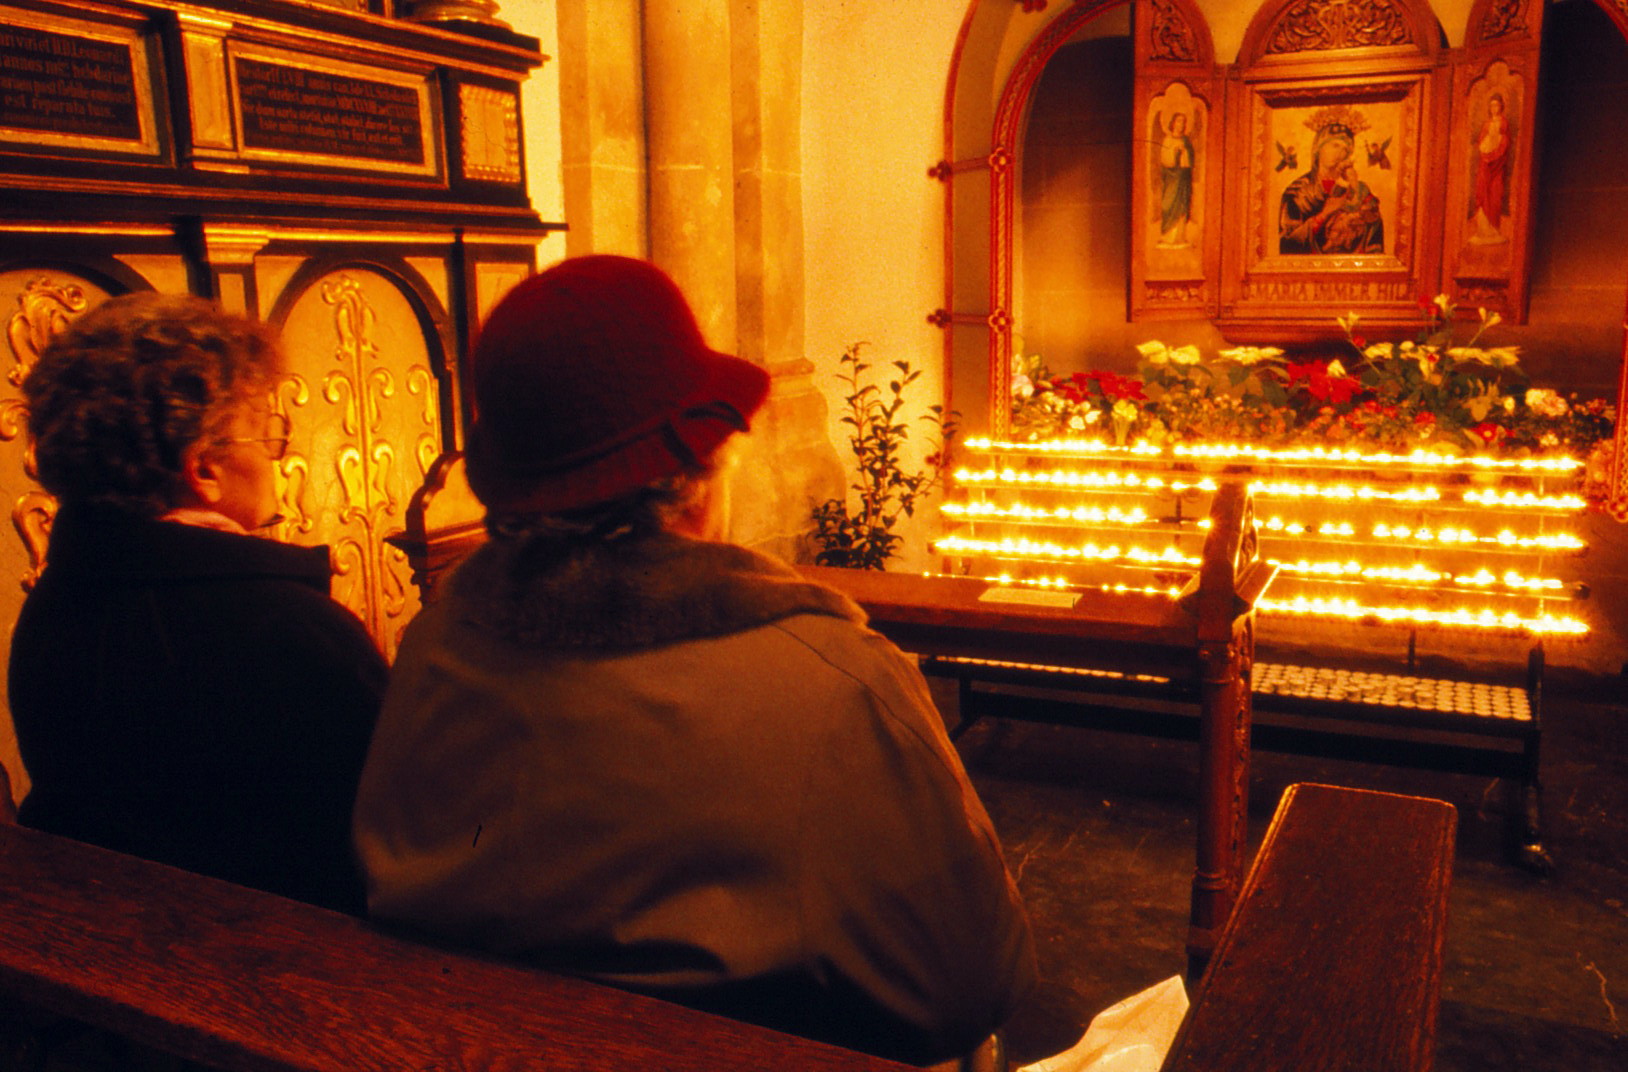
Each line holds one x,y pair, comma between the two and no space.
245,981
1331,960
1332,957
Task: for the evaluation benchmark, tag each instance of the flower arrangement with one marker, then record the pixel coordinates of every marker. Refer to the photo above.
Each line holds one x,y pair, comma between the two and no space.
1426,392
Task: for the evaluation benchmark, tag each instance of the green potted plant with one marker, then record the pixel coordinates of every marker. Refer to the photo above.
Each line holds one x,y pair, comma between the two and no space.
857,530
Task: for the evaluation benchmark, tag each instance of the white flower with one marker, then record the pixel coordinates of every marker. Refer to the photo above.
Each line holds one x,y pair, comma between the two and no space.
1489,319
1336,369
1377,350
1444,303
1155,352
1545,403
1022,387
1125,410
1549,439
1186,355
1092,416
1348,322
1076,422
1249,355
1509,404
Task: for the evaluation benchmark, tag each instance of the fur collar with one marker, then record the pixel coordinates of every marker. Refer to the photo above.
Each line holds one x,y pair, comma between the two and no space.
632,593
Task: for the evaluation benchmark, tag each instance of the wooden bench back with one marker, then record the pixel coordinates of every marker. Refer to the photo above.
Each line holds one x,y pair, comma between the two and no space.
1332,956
1332,959
247,981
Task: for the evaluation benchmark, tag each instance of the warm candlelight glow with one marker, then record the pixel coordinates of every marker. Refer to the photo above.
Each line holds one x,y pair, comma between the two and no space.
1354,610
1417,459
1043,549
1328,532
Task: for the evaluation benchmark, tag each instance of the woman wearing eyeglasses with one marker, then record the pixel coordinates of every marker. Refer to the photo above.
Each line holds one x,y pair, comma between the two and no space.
183,688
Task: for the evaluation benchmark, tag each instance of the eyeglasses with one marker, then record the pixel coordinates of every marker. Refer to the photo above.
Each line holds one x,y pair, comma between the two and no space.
275,440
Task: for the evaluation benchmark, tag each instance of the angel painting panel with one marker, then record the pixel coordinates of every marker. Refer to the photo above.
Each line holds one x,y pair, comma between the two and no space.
1175,174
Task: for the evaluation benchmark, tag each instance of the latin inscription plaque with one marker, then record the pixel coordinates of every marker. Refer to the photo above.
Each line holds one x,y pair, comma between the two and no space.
303,111
67,85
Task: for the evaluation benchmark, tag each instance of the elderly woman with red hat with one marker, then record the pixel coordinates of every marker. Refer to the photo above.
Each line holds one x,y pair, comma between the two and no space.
620,748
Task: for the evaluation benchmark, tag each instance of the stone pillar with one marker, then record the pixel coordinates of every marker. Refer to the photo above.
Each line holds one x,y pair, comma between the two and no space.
602,150
713,194
689,117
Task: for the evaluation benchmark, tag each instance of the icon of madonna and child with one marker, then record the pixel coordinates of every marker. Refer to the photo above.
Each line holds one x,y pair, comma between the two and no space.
1329,209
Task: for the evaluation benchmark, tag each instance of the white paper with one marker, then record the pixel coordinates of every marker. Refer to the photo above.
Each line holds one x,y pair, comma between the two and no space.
1132,1036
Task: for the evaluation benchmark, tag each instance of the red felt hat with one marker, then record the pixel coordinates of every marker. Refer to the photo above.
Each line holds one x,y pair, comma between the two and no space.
591,380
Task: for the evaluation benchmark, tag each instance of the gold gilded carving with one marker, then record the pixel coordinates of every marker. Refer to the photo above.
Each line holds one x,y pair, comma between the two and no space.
1321,25
44,307
293,495
1172,38
1503,18
491,133
31,516
367,430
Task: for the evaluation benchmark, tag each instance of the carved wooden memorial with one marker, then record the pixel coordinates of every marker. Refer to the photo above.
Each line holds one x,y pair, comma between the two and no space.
353,178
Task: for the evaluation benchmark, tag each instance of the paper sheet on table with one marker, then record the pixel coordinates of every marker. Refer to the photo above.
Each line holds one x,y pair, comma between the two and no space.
1132,1036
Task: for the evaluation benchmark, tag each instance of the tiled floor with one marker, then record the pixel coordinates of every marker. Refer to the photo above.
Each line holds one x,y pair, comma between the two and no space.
1098,829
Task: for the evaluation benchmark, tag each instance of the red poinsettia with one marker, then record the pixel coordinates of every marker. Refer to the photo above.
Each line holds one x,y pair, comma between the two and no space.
1111,385
1325,381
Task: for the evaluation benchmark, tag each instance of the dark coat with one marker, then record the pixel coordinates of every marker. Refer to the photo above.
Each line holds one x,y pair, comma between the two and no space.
678,767
195,697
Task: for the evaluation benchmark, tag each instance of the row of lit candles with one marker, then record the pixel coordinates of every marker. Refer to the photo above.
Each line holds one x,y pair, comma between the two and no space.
1109,480
1503,539
1243,452
1416,574
1351,609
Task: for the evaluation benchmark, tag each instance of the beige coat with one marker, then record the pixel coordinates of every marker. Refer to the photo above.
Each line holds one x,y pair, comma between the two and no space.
681,769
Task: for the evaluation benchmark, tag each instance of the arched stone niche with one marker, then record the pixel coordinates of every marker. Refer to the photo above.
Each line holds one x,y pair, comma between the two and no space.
1557,246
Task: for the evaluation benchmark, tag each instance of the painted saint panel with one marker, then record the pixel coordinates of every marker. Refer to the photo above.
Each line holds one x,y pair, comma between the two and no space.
1494,105
1177,169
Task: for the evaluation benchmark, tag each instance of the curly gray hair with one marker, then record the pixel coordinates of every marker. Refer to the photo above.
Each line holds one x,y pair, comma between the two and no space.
115,400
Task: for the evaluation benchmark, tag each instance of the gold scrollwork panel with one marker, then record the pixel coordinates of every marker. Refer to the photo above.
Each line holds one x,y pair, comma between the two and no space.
34,306
362,396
